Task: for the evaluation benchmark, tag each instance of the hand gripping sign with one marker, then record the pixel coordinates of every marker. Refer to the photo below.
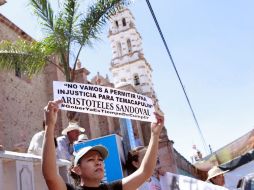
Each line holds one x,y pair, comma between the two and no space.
103,100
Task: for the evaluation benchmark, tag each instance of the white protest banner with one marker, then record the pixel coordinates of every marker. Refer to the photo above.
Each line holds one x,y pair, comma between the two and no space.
103,100
179,182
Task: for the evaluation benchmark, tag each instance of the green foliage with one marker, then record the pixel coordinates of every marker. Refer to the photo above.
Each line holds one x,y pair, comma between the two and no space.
96,17
43,10
30,57
67,29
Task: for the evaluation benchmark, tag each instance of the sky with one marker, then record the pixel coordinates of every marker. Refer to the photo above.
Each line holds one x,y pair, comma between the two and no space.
212,44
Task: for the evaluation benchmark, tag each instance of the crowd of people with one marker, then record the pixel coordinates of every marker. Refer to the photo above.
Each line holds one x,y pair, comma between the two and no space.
87,163
87,168
72,134
138,160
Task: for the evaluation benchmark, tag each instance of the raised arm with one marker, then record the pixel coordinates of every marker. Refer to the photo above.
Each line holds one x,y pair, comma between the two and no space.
49,167
148,164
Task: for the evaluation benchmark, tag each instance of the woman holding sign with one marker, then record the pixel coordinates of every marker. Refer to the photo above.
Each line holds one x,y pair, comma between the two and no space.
88,162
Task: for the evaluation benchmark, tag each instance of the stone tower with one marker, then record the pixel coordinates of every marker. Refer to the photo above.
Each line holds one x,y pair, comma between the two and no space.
128,65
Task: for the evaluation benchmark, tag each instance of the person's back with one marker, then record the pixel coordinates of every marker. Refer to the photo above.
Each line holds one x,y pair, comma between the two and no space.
62,150
35,146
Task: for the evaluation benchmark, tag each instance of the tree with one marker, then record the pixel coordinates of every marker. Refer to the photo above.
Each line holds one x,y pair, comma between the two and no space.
66,30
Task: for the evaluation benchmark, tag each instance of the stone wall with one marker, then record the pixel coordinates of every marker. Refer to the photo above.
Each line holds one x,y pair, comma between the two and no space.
9,31
21,108
185,166
166,156
22,100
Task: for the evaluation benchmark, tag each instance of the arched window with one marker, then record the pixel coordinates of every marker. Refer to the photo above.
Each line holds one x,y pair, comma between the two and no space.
136,80
116,23
119,49
129,45
124,22
17,70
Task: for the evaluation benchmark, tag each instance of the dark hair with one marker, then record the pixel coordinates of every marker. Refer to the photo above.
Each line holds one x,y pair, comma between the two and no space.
76,178
133,155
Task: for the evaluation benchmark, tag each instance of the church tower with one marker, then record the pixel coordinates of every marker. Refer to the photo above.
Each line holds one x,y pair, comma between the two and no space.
128,65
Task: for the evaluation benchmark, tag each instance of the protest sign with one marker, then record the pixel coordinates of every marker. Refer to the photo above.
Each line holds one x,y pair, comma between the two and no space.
172,181
103,100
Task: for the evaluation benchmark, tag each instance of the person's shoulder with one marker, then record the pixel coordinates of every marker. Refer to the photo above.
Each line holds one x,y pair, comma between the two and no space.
61,138
72,187
38,134
155,179
115,185
41,133
144,186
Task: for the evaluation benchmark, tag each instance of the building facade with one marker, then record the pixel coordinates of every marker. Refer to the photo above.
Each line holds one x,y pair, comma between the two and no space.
22,99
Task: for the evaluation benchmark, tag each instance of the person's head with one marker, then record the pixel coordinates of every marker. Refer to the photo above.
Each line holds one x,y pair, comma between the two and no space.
88,165
135,158
199,154
72,131
216,176
73,135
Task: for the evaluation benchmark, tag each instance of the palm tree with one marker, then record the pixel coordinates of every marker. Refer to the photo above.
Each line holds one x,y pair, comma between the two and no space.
67,32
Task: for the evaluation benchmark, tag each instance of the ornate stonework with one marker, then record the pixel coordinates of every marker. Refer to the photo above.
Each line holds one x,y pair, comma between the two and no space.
128,64
129,67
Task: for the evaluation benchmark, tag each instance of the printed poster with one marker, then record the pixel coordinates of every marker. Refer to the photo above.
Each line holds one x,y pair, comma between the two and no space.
101,100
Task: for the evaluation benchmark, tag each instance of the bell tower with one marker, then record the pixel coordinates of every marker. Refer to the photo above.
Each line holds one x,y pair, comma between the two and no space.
128,64
129,67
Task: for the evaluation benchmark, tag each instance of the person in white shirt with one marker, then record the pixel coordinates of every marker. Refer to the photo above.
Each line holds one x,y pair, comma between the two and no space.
35,146
195,155
65,142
